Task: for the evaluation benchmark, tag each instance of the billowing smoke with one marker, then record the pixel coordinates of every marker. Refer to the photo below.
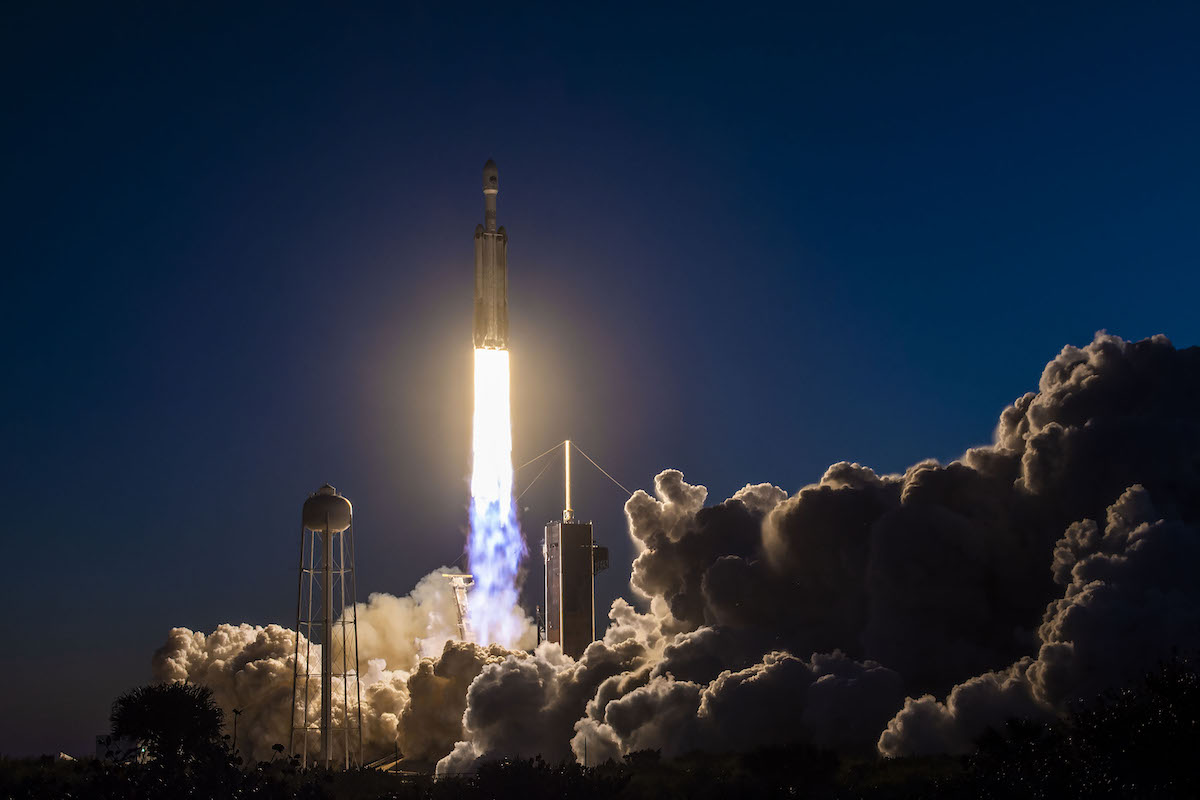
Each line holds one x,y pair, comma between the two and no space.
1130,598
432,721
551,688
414,672
810,617
830,701
247,667
897,614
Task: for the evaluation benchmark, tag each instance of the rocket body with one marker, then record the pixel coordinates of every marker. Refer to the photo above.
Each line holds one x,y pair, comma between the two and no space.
495,546
491,270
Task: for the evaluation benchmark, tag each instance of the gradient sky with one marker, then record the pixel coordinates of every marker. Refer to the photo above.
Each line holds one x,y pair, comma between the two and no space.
237,263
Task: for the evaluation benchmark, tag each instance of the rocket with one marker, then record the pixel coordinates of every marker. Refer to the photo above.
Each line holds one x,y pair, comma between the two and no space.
491,270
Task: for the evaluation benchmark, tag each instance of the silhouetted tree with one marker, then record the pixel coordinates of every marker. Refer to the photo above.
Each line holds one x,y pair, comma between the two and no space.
1133,742
179,724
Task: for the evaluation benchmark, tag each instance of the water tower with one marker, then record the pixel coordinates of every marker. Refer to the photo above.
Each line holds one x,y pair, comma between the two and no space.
326,696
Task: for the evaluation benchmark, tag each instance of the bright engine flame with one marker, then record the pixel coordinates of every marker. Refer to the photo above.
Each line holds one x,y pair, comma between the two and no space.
495,547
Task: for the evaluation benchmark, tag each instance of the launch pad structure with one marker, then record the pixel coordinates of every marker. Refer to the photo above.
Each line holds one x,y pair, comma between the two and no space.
572,559
459,584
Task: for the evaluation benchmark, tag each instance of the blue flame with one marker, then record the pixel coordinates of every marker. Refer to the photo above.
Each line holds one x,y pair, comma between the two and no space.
495,546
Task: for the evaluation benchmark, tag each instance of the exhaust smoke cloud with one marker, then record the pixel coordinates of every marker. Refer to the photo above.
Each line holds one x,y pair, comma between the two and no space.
864,613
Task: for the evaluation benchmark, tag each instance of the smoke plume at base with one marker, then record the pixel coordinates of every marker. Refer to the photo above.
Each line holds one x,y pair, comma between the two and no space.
1047,566
413,670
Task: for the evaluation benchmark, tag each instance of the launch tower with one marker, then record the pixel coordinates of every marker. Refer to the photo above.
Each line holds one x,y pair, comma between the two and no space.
572,561
326,696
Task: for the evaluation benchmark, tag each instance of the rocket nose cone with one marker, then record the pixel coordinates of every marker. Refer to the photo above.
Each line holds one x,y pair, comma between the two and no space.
491,176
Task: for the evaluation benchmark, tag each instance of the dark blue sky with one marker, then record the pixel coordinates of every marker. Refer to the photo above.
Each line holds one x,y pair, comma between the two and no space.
746,244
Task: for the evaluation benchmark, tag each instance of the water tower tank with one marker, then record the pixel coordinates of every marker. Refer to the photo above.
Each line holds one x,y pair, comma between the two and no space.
326,510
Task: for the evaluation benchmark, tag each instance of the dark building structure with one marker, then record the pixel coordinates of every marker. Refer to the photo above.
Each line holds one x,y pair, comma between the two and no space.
572,561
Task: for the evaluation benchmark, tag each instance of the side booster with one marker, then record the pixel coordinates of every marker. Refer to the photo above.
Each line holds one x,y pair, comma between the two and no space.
491,270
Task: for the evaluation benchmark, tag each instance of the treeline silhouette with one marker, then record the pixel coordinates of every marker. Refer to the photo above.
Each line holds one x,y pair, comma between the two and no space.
1138,742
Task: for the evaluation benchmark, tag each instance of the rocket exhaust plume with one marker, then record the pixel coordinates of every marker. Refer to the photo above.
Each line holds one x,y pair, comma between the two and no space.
495,546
